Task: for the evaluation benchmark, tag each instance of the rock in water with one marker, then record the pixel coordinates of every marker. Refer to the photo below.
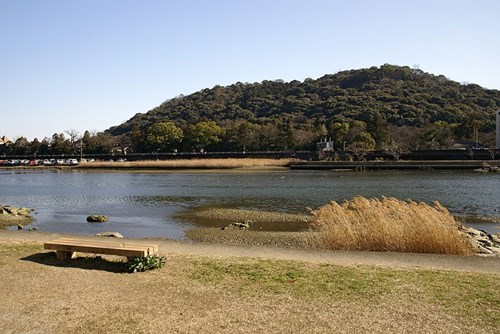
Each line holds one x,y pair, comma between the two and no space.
110,234
97,219
13,211
239,226
23,211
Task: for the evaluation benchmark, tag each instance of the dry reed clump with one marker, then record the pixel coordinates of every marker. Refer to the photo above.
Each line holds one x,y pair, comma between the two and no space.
390,225
192,163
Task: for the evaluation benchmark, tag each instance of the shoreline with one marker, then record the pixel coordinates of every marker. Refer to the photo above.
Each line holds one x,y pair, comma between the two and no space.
260,164
244,227
395,165
460,263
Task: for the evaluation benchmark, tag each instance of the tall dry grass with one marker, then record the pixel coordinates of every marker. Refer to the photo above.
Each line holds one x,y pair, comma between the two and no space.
390,224
192,163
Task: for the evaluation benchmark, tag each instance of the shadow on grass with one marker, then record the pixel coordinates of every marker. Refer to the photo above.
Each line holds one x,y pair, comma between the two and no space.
88,263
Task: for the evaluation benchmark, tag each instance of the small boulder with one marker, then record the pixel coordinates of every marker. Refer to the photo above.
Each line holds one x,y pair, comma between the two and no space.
484,242
11,210
24,211
97,219
109,234
484,250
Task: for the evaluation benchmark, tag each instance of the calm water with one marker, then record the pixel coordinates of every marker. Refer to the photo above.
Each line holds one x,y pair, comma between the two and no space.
144,204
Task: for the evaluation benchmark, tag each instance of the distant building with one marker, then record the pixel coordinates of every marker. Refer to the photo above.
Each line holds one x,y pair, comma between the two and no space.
325,145
5,141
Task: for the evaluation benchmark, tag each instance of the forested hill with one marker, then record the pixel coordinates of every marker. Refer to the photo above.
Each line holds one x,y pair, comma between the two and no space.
390,95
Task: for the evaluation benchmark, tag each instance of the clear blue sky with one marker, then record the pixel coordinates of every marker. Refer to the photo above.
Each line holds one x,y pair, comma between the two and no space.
92,64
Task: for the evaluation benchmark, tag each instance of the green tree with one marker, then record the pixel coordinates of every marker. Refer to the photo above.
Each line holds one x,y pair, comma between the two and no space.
35,147
136,139
87,141
21,146
203,134
60,145
163,136
269,137
437,136
105,143
245,136
44,147
339,132
377,127
361,144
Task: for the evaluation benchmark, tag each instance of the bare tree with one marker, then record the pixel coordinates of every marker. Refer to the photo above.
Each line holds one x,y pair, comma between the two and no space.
402,139
74,137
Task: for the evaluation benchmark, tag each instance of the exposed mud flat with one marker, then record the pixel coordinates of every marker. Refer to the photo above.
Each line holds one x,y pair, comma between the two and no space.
257,220
307,240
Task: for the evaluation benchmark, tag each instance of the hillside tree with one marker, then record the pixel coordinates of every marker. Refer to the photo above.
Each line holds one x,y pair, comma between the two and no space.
163,136
203,134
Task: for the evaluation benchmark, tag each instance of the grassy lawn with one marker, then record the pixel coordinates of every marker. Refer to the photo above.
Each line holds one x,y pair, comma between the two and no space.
469,296
193,293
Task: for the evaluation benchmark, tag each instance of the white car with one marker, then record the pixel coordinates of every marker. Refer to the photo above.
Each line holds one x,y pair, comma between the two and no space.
72,162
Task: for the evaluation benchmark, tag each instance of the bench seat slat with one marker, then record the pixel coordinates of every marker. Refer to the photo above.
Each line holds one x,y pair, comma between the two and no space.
104,243
101,242
90,245
108,247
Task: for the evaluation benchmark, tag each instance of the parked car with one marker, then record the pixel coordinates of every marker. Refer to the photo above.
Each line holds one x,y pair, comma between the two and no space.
72,162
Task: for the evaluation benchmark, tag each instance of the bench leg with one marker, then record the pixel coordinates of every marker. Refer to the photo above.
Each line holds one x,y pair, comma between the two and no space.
63,255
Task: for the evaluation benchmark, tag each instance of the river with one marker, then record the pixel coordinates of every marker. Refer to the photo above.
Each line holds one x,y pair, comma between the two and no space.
145,204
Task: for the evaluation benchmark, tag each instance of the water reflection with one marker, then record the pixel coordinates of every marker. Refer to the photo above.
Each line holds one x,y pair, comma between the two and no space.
144,204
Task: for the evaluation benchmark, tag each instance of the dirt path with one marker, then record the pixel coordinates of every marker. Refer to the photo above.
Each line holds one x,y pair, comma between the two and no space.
397,260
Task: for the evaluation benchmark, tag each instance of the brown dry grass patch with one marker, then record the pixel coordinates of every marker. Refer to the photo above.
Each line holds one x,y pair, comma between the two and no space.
191,163
202,294
390,225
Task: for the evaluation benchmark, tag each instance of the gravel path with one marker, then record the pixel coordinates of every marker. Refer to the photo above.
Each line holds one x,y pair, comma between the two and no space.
395,260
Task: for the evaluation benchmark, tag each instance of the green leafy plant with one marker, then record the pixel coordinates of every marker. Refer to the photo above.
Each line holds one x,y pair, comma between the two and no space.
143,263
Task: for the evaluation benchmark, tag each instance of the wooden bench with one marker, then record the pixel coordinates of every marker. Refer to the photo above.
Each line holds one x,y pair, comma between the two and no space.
66,247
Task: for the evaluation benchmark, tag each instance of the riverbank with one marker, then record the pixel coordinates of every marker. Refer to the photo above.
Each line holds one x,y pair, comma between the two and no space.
230,163
222,289
268,164
396,165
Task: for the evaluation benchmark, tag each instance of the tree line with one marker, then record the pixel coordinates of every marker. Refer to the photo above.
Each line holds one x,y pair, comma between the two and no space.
390,108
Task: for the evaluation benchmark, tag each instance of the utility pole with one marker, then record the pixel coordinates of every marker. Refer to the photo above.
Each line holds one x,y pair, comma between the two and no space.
498,130
476,136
